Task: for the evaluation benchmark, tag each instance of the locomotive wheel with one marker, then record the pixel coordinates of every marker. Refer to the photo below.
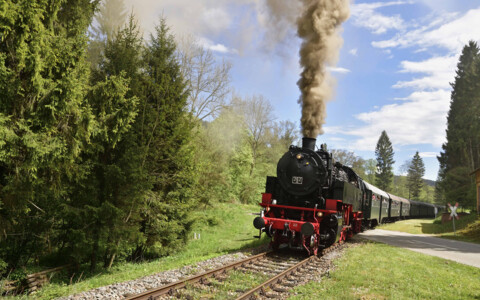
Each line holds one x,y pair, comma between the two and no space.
332,236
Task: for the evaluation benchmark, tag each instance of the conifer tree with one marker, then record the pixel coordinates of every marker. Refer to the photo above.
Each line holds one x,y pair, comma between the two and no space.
101,207
384,155
461,152
416,171
43,118
164,132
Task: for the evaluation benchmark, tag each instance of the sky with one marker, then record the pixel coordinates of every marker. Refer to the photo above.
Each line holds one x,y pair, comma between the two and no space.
394,69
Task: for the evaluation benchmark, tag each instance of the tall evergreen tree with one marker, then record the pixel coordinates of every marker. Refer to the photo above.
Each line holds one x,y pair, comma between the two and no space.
101,218
461,152
416,171
44,120
108,21
164,132
384,155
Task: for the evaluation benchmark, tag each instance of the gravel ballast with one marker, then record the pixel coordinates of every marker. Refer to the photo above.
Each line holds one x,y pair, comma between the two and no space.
129,288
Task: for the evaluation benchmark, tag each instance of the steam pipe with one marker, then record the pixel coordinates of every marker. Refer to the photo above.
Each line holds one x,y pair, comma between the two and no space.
308,143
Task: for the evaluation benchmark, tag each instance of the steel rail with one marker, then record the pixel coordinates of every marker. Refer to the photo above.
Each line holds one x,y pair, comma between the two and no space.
274,280
169,288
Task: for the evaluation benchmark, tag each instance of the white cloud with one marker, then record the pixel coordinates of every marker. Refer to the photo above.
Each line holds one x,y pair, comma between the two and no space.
450,34
426,95
440,71
353,51
423,83
428,154
365,15
338,70
208,44
433,65
416,119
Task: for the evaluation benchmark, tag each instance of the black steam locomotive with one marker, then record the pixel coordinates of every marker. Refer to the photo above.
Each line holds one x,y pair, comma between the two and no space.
314,200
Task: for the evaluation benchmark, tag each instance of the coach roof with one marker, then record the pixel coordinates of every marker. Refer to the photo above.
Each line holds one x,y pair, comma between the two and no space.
376,190
396,198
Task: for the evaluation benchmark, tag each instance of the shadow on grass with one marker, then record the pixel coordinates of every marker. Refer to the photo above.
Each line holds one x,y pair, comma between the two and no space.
438,228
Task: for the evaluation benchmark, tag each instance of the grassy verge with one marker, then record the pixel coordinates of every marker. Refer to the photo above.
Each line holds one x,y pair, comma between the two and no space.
223,229
467,228
378,271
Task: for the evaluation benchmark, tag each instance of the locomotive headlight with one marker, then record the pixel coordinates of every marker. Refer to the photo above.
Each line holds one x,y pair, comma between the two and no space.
299,156
319,214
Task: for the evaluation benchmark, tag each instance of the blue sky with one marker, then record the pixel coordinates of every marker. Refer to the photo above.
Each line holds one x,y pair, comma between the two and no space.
393,71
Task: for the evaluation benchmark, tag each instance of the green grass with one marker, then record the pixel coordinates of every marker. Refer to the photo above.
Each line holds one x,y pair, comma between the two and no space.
378,271
223,228
465,229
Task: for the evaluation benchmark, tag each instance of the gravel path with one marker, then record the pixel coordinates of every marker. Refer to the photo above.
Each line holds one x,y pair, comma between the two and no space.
128,288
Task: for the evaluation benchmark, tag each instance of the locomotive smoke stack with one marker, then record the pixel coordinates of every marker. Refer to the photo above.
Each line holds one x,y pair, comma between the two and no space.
309,143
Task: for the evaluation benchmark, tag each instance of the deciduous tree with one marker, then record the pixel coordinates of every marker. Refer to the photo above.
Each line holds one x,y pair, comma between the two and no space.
207,78
257,115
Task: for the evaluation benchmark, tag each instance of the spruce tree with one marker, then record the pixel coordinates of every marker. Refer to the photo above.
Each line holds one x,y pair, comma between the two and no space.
43,119
101,215
164,132
384,155
461,152
416,171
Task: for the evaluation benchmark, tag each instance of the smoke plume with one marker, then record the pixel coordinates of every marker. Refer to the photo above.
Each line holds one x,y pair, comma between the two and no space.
319,28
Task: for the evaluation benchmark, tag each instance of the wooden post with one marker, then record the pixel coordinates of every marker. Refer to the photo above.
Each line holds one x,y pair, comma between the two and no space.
477,183
477,176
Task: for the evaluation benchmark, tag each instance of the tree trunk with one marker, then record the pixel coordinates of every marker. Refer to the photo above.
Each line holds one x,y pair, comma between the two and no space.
112,258
93,258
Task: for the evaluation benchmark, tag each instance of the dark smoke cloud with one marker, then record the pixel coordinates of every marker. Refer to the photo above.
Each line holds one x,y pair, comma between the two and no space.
319,28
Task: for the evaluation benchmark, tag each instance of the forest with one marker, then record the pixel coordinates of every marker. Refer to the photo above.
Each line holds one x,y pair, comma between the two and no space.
109,138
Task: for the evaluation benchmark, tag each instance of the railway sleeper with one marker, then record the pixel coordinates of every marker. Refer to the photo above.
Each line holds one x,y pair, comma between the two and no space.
289,283
220,277
279,289
183,294
266,264
273,295
260,268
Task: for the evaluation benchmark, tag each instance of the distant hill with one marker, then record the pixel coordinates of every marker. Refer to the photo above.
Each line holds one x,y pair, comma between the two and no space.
430,182
427,181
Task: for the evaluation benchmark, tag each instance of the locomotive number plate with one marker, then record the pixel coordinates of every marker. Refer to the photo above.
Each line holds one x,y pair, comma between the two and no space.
297,180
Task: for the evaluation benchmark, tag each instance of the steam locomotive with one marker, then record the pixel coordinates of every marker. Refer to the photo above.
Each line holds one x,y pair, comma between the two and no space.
315,201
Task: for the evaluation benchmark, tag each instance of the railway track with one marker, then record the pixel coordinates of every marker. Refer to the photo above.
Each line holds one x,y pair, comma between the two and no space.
278,272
